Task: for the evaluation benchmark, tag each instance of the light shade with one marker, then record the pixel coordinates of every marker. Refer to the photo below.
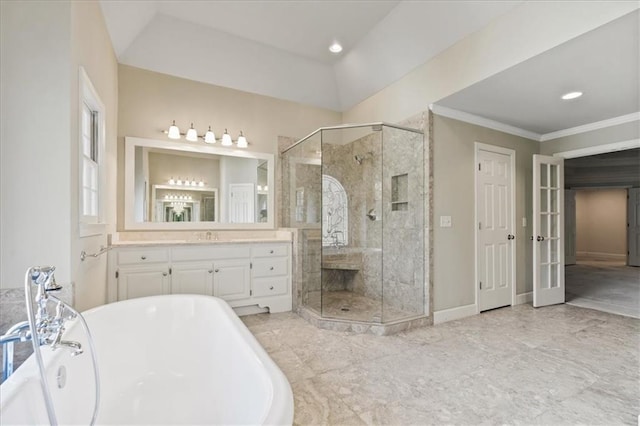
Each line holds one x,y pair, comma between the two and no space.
226,139
192,134
242,141
174,132
210,137
335,47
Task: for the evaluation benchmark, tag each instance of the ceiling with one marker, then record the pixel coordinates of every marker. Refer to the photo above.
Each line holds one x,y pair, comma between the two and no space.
603,64
280,49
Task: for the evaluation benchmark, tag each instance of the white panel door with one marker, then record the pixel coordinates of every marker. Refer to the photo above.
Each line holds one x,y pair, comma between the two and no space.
633,227
570,227
241,203
142,282
494,206
548,230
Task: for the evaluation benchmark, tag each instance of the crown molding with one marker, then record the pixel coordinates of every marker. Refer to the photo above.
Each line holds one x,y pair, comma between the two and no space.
506,128
599,149
484,122
635,116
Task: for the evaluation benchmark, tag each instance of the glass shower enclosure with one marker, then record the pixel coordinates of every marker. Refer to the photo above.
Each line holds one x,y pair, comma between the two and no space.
356,194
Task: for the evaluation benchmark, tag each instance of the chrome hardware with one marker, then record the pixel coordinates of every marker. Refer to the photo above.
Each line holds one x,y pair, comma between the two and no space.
372,215
143,257
271,288
84,254
61,376
164,274
210,271
540,238
217,270
510,237
271,252
271,269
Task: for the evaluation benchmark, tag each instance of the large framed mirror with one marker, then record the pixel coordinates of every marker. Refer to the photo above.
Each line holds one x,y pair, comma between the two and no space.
172,185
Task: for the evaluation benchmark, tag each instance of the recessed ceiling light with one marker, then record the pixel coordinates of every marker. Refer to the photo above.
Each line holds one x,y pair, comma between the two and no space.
571,95
335,47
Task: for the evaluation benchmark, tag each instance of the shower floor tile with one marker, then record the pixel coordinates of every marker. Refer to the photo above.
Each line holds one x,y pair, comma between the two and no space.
347,305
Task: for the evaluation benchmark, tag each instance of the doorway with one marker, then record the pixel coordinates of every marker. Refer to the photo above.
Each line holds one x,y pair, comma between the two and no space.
604,229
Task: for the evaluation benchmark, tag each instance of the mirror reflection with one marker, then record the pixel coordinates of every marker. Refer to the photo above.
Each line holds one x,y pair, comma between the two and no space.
178,184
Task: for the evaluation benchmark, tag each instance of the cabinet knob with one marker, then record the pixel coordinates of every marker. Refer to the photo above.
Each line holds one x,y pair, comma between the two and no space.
143,257
271,288
271,269
217,270
271,251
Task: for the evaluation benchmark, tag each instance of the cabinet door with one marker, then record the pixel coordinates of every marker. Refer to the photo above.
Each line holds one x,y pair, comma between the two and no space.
231,279
192,278
142,282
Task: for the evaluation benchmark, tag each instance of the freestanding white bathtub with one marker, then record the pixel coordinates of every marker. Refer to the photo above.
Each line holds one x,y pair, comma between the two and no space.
179,359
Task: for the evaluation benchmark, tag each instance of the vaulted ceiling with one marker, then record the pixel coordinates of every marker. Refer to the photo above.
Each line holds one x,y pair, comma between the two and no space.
280,49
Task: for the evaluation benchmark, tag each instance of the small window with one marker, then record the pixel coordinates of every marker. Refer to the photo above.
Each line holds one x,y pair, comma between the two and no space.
335,213
91,175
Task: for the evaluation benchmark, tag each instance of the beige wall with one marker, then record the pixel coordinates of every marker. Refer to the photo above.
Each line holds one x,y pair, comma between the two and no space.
149,101
91,48
454,189
43,44
601,222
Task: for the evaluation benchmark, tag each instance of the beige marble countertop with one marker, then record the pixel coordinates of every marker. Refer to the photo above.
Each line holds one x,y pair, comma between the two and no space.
146,243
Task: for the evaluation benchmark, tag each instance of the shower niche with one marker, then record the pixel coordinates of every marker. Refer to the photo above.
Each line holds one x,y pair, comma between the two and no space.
356,195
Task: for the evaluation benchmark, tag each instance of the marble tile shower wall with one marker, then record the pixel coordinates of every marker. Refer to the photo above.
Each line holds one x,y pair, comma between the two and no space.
392,245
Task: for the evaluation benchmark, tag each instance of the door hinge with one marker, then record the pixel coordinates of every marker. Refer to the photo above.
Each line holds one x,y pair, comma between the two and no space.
117,274
169,271
250,265
480,226
479,167
250,292
480,285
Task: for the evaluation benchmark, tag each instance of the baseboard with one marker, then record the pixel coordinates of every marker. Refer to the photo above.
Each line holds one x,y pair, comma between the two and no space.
592,255
523,298
454,313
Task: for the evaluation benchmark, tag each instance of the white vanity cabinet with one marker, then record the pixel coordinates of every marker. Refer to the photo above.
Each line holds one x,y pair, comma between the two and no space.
243,274
142,272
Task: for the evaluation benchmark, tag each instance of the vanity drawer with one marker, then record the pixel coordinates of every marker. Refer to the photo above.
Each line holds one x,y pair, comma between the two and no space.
270,286
143,256
211,252
270,267
269,250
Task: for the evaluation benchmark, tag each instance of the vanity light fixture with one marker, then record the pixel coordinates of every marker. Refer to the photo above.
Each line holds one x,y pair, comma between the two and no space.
226,139
571,95
242,141
209,136
174,132
192,134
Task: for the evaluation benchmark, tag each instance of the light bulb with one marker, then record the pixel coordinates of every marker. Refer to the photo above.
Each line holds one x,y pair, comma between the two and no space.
210,137
226,139
201,183
174,132
192,134
194,183
179,182
242,141
171,181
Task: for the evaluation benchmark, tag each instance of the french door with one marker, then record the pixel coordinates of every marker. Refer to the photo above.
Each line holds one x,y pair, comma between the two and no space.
548,230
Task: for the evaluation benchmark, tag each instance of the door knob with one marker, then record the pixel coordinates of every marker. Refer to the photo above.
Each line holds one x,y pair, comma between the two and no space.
210,271
510,237
217,270
540,238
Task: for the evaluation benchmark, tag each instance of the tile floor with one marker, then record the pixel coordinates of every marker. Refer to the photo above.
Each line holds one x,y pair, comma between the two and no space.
348,305
518,365
604,285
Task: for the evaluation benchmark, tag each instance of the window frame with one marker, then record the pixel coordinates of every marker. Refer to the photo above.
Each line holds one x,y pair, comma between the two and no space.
91,224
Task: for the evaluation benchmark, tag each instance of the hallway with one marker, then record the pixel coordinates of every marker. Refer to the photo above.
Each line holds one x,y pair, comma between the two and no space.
604,285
